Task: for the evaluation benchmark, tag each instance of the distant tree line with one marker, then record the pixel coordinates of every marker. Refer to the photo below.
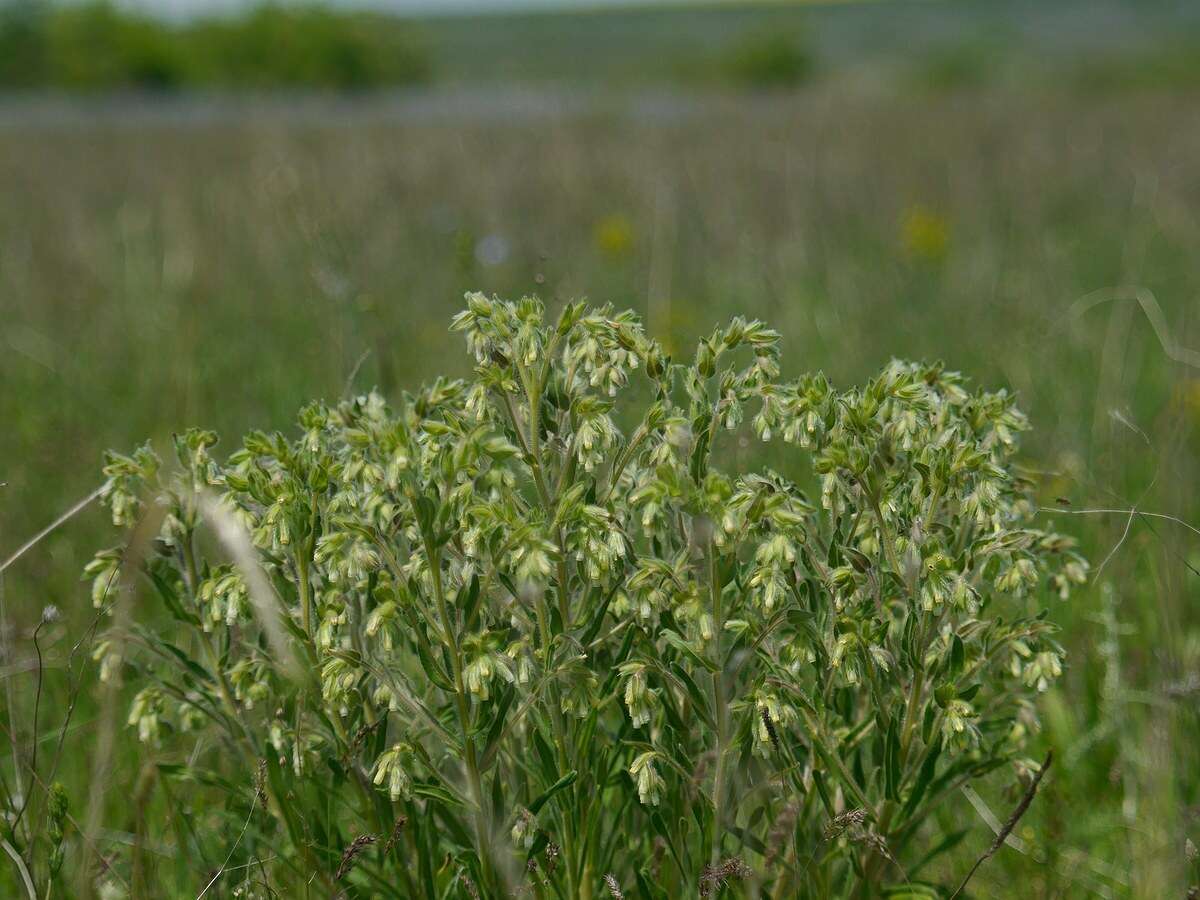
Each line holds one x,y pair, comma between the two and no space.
99,46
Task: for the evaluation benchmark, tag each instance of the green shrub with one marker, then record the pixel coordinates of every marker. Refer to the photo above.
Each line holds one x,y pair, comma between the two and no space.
97,45
1172,64
966,65
23,51
768,60
538,630
277,46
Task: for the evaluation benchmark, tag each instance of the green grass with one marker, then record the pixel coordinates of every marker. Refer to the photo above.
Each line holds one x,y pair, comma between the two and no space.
221,274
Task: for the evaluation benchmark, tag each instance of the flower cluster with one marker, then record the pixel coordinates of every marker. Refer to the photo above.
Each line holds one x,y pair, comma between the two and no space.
541,596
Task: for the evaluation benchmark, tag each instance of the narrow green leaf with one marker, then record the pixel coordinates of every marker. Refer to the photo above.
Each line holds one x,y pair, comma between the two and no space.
562,783
682,646
432,668
958,657
171,599
492,743
433,792
698,697
924,777
892,761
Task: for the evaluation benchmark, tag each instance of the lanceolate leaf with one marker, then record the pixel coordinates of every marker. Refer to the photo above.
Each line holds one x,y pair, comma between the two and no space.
562,783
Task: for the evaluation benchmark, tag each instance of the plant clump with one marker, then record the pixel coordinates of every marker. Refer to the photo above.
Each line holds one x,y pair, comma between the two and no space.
550,619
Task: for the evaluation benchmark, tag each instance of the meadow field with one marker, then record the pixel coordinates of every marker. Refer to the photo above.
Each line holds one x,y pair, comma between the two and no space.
223,265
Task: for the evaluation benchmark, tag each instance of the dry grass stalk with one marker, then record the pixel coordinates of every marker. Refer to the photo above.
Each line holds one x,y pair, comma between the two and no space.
357,846
1013,819
843,822
714,877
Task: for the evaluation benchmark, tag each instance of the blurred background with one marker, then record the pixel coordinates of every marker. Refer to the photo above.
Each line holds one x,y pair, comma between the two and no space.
213,211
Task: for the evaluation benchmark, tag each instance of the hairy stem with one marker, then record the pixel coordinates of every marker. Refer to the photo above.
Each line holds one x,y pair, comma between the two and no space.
720,703
462,707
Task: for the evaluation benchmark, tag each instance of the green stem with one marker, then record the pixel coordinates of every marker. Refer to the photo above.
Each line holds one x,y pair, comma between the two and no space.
622,461
916,690
533,451
305,590
247,743
833,760
461,704
889,544
720,704
303,558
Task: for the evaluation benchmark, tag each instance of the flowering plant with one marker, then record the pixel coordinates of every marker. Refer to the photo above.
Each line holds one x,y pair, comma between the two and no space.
538,631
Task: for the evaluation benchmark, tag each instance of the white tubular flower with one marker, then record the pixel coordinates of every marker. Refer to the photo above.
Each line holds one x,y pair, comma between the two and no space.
104,570
146,714
958,724
640,700
650,785
390,768
1043,669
